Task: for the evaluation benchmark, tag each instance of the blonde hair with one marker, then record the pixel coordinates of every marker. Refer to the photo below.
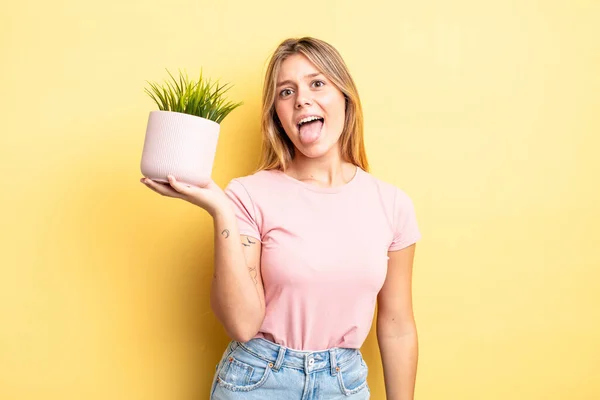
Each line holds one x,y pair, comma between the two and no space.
277,149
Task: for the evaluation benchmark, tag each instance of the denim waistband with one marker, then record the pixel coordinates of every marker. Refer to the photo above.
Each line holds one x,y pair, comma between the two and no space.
280,356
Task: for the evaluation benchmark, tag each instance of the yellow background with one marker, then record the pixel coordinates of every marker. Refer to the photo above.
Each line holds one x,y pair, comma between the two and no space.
485,112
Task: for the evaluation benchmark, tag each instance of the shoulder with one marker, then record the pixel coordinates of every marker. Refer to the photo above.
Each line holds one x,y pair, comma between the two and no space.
397,204
258,180
390,193
401,213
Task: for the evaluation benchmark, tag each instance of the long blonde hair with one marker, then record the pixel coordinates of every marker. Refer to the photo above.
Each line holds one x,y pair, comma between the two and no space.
277,149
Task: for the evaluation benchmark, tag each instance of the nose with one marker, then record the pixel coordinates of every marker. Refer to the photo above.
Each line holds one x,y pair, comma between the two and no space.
303,99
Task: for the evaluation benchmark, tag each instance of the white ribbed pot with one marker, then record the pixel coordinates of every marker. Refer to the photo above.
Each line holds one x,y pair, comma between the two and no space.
181,145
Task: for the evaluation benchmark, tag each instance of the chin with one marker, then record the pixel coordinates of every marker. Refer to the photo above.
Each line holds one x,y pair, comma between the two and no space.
316,150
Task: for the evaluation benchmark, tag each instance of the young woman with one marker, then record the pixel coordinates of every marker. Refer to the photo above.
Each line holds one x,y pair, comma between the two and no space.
306,246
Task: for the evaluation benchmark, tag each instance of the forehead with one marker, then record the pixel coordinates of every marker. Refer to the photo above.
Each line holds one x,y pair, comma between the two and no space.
296,66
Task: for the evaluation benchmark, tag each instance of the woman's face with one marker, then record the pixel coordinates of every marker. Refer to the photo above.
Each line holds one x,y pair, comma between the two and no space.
311,109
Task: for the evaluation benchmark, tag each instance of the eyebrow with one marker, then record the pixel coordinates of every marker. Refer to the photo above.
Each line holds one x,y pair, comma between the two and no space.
288,82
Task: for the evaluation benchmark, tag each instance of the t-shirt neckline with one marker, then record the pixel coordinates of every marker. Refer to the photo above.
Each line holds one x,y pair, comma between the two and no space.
320,189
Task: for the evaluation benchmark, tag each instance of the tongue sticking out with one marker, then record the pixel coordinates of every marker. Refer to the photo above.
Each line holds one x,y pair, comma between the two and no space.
310,132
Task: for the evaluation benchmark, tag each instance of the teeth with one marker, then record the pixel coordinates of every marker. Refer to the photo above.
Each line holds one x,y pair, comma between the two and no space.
308,119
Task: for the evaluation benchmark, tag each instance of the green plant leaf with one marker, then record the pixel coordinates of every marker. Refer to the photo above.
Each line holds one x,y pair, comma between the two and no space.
204,98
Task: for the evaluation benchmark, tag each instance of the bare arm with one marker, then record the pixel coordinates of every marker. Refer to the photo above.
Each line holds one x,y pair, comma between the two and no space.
396,328
237,294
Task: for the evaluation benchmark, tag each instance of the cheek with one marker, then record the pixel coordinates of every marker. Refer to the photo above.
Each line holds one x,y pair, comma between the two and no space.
337,108
278,112
335,101
282,113
284,120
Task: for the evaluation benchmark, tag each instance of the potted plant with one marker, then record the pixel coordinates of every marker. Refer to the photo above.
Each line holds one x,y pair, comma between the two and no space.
181,137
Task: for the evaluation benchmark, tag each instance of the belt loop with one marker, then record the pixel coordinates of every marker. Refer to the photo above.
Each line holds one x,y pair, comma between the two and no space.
280,357
333,362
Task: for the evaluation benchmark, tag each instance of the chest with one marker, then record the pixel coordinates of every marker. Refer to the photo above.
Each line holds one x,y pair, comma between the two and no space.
326,244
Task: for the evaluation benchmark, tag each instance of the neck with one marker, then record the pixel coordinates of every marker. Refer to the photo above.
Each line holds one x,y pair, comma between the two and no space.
329,170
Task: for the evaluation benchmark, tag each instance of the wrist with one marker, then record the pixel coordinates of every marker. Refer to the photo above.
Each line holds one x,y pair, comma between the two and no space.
223,211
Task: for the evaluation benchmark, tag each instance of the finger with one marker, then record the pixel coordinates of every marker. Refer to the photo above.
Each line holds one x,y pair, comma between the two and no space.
161,188
147,185
180,187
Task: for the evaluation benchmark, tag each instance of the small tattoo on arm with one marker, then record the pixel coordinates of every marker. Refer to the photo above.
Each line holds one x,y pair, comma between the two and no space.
253,274
225,233
249,242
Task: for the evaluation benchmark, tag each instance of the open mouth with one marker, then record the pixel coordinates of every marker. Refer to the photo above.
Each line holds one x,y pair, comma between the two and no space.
309,129
309,120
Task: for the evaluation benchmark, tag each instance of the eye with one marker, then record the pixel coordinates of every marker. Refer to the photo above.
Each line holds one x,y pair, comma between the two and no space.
318,83
285,92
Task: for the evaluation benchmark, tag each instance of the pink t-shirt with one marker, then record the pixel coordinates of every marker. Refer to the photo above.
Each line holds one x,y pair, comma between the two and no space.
324,253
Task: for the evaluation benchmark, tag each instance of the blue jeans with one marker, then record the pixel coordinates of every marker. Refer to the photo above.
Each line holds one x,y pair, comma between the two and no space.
260,369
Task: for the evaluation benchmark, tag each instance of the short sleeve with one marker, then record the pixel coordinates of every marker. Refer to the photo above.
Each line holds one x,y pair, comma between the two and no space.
406,230
244,209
